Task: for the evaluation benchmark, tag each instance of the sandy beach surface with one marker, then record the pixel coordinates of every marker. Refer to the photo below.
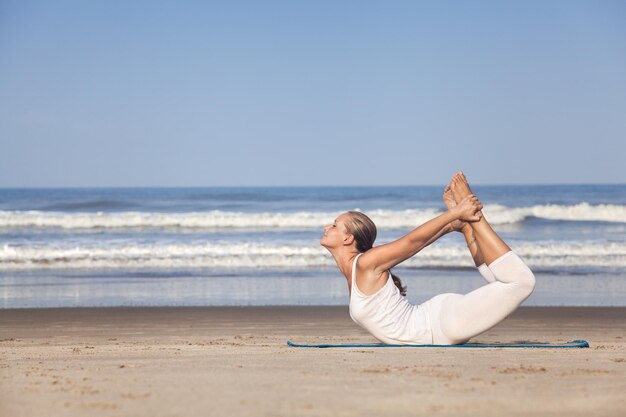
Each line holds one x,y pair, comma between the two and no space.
226,361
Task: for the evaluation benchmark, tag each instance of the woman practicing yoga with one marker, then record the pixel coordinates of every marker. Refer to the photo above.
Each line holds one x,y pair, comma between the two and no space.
377,301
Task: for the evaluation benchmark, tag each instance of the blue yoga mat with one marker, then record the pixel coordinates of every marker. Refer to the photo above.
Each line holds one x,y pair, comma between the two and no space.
570,344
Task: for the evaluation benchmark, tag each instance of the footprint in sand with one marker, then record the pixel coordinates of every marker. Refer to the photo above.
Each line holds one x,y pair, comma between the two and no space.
522,369
136,395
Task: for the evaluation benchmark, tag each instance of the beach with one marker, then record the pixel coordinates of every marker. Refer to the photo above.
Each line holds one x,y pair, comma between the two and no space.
185,188
199,361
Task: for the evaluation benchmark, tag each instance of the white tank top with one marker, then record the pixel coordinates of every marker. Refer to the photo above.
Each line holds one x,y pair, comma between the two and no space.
387,314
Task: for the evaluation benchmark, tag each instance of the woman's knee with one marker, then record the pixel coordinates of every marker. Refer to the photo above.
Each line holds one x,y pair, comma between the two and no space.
527,284
523,280
511,269
524,277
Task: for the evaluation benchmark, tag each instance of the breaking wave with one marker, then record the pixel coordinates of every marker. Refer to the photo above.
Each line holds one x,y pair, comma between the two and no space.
385,219
544,255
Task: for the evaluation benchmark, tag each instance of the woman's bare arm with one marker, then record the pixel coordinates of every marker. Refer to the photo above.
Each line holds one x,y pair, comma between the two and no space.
383,257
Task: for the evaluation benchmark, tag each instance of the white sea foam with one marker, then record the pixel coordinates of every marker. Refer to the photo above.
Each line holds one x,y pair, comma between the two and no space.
498,214
268,256
385,219
197,220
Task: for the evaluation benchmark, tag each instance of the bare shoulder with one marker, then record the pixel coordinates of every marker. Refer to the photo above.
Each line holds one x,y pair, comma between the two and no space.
367,268
368,281
373,260
366,261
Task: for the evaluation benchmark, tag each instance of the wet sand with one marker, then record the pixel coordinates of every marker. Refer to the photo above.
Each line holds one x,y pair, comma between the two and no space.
235,362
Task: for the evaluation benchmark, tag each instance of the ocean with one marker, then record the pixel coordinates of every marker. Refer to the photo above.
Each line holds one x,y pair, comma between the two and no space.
260,245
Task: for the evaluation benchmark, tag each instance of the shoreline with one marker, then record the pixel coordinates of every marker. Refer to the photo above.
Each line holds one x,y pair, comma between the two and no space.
190,361
317,289
38,321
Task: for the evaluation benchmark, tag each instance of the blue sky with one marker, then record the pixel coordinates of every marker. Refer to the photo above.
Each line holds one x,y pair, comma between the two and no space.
145,93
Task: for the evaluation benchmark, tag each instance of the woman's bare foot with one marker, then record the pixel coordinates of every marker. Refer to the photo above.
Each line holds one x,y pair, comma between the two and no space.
459,186
448,197
491,246
450,202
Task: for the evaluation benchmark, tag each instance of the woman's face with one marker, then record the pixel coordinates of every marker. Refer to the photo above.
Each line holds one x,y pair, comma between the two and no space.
335,233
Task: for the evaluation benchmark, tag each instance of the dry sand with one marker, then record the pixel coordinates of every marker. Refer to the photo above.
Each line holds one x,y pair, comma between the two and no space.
234,362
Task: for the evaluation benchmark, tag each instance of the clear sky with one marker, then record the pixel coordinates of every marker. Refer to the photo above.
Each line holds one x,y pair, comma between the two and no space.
179,93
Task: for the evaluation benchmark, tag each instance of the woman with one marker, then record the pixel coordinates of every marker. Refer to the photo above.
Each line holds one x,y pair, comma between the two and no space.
377,300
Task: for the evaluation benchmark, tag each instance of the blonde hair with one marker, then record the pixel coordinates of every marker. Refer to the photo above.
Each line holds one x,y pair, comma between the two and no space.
364,231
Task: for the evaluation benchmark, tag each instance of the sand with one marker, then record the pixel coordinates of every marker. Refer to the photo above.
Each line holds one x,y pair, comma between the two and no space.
234,362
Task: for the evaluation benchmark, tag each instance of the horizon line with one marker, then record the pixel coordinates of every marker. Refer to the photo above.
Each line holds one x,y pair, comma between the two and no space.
38,187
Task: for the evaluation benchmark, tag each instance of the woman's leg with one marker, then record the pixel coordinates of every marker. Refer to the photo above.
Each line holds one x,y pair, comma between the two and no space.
462,317
470,240
489,243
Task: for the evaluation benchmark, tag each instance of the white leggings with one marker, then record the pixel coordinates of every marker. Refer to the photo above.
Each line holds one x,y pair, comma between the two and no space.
455,318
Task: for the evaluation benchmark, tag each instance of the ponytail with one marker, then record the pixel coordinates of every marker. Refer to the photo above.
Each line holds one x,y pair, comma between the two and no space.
398,282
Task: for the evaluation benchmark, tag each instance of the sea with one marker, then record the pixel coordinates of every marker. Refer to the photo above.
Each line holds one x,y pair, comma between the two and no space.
242,246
